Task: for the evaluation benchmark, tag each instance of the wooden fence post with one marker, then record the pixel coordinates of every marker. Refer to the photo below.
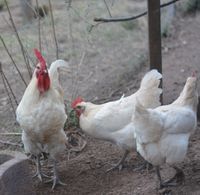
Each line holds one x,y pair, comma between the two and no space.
154,27
155,56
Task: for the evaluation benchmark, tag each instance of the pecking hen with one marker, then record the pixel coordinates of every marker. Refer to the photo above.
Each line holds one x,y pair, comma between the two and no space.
112,121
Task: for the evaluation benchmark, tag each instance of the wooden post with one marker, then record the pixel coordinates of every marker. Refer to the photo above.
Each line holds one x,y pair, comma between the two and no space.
154,25
155,56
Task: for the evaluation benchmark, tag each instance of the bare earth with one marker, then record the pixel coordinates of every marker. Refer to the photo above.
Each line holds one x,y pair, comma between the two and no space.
84,173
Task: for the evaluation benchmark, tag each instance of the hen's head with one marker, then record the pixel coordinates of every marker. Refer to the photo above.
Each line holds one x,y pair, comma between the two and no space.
43,80
78,105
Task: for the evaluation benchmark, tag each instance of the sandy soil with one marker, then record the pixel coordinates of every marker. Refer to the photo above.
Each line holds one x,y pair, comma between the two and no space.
85,172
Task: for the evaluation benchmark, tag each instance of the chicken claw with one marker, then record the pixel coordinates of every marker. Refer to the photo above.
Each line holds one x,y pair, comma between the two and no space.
39,173
55,179
178,178
119,165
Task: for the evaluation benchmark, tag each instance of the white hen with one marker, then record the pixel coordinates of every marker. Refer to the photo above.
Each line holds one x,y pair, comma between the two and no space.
111,121
162,134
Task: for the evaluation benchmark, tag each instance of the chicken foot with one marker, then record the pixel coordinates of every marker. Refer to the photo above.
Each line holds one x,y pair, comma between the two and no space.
39,173
119,165
177,179
55,179
145,164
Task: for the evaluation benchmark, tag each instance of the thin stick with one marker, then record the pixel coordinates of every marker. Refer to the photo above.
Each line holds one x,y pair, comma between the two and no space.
10,143
7,91
9,134
71,40
107,8
30,5
19,40
69,4
13,61
6,80
131,17
39,31
76,81
53,28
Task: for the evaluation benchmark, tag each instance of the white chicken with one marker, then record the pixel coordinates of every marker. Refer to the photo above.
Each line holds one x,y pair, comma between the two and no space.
41,115
162,134
111,121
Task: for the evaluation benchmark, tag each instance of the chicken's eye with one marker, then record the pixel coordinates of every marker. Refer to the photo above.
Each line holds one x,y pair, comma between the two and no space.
79,107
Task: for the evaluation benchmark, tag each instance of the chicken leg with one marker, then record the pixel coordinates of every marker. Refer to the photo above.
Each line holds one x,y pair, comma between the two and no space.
39,173
119,165
145,164
178,178
55,179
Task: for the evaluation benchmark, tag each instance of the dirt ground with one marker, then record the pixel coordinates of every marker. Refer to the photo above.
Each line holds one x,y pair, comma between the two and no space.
84,172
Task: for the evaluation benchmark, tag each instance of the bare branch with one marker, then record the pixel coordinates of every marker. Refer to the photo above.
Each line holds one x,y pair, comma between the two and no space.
53,28
4,79
19,40
4,76
69,4
10,134
74,93
122,19
107,8
10,143
13,60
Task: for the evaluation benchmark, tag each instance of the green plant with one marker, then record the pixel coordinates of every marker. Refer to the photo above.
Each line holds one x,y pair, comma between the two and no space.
72,119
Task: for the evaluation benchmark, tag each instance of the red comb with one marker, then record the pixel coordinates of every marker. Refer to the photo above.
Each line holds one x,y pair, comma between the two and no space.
76,101
40,58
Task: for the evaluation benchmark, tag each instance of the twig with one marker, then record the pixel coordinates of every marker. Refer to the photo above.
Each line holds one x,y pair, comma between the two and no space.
7,91
6,21
5,78
10,143
30,6
17,134
13,60
70,39
122,19
107,8
53,28
19,40
78,70
39,32
69,4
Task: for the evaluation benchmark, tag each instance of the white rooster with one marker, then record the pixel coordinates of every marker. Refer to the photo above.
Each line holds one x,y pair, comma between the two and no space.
162,134
41,115
111,121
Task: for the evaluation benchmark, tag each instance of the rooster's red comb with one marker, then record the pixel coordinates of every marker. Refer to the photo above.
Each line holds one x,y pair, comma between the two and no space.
40,58
76,101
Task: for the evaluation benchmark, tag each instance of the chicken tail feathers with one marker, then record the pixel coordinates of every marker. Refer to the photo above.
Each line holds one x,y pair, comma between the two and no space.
58,64
53,71
149,92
